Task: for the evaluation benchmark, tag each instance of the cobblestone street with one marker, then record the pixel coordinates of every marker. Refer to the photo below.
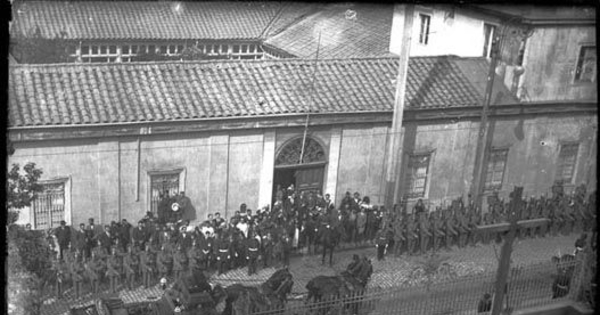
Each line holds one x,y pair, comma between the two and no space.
389,273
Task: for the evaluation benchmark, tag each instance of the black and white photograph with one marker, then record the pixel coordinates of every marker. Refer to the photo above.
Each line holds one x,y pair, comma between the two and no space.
301,158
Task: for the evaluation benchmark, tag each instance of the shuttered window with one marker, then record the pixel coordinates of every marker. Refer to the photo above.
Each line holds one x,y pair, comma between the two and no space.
495,169
567,158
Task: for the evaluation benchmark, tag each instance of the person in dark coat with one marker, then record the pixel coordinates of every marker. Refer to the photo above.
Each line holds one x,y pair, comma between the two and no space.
131,265
78,241
139,235
63,236
253,246
147,265
125,234
105,239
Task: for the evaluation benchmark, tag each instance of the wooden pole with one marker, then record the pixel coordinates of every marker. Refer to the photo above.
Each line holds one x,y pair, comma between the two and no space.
312,97
392,189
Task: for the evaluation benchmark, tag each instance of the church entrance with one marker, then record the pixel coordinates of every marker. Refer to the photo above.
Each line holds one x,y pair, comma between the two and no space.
306,174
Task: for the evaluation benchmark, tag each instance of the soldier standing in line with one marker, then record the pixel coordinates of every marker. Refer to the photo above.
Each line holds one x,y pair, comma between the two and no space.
113,273
164,262
92,271
253,246
437,229
411,235
543,211
286,248
463,229
194,255
381,243
267,249
180,262
424,232
131,266
449,229
77,273
223,252
206,246
147,265
399,239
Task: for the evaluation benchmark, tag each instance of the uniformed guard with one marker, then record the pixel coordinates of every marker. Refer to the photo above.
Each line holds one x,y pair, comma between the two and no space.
463,229
194,261
131,265
381,243
147,265
399,238
113,269
449,229
437,229
164,262
267,249
180,262
253,246
424,232
206,255
411,235
77,273
223,252
93,270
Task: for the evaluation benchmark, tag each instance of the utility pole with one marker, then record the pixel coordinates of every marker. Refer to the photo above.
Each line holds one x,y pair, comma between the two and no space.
392,187
482,139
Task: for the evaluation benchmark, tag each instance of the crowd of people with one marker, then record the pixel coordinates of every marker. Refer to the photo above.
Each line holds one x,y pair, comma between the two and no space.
165,247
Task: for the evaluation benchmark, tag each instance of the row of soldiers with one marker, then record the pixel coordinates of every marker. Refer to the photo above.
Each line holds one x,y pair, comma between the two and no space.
457,225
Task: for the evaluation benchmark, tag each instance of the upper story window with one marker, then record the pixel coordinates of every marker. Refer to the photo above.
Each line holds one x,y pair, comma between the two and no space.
416,177
489,33
567,159
163,184
586,65
495,169
424,30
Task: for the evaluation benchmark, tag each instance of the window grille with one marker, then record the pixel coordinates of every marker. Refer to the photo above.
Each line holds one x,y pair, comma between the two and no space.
49,206
586,64
495,169
416,176
567,158
161,183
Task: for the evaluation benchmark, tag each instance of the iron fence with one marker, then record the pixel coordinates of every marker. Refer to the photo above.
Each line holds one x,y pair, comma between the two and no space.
527,286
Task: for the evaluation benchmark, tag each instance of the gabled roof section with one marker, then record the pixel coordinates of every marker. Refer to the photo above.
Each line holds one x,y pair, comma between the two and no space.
543,14
347,31
143,20
75,94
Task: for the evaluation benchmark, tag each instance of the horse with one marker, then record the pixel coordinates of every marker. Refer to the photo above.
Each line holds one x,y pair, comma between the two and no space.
349,284
565,265
329,237
269,296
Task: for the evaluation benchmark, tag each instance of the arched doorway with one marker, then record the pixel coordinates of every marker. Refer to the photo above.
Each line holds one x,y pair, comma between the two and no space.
306,175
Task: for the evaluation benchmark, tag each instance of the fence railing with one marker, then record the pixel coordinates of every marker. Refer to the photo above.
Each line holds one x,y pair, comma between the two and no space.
527,286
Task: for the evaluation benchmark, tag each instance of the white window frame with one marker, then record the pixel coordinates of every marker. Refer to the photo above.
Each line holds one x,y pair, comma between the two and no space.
424,33
67,211
560,163
579,64
489,185
182,172
489,38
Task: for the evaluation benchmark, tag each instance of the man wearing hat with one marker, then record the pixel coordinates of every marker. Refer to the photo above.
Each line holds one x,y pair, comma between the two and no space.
63,236
147,265
138,235
253,245
131,266
381,243
223,247
105,239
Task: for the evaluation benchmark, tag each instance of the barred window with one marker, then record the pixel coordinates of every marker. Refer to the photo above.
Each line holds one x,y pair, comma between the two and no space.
586,64
424,31
416,176
567,158
495,169
49,206
161,183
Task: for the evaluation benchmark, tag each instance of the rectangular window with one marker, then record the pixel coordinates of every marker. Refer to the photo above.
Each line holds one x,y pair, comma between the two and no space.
134,49
112,49
586,65
163,50
224,49
416,176
49,206
244,49
161,183
424,31
179,49
495,169
151,49
85,50
567,158
94,50
125,50
236,49
489,32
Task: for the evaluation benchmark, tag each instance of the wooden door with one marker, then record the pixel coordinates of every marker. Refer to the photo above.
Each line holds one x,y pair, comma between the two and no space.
310,179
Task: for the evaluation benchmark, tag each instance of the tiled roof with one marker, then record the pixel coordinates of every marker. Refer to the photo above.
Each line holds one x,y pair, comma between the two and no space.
144,20
290,13
75,94
367,34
